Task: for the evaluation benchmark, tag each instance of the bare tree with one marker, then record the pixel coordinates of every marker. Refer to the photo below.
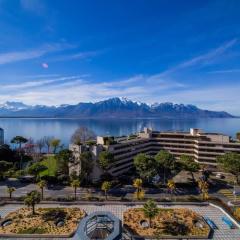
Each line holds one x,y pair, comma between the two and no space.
30,146
40,144
47,141
82,135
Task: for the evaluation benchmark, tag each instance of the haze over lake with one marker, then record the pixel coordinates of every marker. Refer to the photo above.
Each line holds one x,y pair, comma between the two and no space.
64,128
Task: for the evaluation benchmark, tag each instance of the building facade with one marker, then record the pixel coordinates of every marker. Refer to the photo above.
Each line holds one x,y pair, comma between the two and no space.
203,147
1,136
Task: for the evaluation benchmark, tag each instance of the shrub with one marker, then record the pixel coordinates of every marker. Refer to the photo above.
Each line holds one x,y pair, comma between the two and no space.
54,213
32,230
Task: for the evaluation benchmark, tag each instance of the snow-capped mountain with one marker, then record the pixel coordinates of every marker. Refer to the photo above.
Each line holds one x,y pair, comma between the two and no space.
14,106
111,108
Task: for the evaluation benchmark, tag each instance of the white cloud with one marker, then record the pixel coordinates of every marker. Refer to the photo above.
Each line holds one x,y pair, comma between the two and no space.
74,89
16,56
225,71
203,59
36,83
75,56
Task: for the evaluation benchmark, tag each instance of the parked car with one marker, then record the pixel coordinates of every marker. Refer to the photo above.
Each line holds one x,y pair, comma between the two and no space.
220,176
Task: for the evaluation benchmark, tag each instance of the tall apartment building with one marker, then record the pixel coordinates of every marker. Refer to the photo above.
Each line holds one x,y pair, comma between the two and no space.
1,136
203,147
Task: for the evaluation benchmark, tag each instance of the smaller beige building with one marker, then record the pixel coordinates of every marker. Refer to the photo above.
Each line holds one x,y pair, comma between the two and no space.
75,163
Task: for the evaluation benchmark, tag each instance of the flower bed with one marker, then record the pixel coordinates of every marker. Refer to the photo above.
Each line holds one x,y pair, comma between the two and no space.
168,222
45,221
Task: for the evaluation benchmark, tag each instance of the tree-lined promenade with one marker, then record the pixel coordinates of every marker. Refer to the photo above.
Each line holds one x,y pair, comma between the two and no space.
46,162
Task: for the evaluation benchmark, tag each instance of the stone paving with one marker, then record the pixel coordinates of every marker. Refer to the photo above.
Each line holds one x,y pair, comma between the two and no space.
209,211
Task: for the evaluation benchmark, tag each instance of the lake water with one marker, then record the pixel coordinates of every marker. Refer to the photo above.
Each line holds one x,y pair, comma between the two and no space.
64,128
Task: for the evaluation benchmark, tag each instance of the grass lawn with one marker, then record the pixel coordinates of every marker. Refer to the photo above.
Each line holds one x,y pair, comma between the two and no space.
51,163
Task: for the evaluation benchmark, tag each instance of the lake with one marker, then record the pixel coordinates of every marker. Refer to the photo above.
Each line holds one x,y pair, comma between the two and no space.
64,128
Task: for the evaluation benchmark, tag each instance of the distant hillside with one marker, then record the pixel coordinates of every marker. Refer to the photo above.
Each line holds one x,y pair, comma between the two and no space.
111,108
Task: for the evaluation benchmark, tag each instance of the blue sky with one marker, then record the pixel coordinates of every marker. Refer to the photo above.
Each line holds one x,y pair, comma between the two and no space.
59,51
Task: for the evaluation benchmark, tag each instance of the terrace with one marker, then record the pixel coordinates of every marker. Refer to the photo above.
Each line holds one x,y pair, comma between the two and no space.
206,211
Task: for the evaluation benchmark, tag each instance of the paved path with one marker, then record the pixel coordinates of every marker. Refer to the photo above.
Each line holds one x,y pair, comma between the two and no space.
213,213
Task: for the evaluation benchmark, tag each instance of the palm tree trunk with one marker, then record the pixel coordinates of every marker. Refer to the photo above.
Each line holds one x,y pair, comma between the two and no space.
105,195
164,177
42,193
193,179
33,209
10,195
75,192
150,222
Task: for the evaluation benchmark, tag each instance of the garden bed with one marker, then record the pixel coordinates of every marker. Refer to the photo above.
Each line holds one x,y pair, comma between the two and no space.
168,223
49,221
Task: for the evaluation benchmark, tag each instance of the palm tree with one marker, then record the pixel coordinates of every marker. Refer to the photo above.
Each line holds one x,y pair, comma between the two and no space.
32,199
75,184
171,186
42,184
203,187
10,190
106,187
150,210
137,183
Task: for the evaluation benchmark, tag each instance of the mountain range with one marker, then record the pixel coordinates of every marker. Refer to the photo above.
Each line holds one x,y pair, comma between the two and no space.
111,108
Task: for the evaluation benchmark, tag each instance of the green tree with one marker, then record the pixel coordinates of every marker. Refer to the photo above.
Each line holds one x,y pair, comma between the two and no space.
55,143
230,162
42,184
6,153
106,186
4,166
35,169
86,164
150,210
31,199
19,140
10,191
165,161
188,164
63,157
145,166
105,159
75,184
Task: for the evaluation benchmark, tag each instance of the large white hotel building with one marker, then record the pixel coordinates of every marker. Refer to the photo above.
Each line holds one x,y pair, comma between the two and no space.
204,147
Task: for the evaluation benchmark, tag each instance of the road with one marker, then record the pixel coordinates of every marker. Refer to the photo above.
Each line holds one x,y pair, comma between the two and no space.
65,191
23,188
